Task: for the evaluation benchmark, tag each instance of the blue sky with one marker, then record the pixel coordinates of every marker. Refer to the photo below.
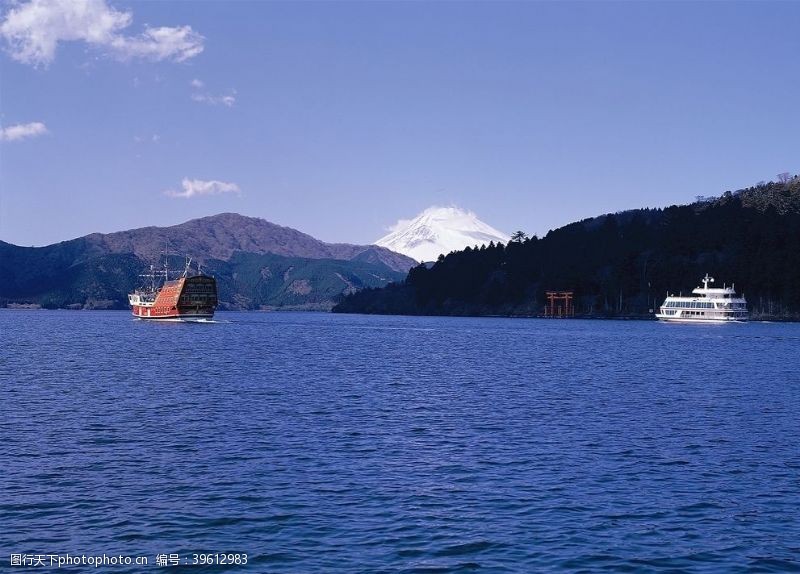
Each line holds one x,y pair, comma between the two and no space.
340,118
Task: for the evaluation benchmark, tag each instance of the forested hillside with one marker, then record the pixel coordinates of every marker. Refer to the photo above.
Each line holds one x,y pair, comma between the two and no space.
620,264
53,279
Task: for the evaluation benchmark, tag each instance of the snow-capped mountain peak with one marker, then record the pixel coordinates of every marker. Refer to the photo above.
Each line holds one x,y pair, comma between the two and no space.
439,230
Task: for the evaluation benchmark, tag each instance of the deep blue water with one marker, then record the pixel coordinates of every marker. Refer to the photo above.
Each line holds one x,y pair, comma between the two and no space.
331,443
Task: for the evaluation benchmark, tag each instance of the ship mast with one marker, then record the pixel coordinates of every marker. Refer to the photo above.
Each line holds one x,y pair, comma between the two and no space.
151,276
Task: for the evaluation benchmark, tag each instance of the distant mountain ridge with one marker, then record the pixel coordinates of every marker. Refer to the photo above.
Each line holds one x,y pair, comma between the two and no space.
258,264
220,236
438,231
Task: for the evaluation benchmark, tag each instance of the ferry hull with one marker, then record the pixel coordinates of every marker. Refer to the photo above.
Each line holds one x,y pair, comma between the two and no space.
699,320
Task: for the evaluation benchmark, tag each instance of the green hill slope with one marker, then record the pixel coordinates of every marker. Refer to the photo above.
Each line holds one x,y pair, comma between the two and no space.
56,277
254,281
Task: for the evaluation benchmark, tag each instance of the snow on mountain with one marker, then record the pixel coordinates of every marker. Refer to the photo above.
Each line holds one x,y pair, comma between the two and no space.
439,230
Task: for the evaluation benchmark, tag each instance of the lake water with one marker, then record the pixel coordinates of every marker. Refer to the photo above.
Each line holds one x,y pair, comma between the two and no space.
332,443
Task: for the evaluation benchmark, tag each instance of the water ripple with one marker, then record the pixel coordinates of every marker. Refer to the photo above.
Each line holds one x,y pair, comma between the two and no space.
330,443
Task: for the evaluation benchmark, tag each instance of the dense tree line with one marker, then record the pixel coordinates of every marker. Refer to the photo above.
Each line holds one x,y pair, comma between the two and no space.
619,264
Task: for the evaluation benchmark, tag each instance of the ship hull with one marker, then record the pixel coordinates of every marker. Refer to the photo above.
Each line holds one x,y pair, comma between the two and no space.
141,313
186,299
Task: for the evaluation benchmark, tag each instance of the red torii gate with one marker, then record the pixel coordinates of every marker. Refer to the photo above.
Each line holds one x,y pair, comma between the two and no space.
559,304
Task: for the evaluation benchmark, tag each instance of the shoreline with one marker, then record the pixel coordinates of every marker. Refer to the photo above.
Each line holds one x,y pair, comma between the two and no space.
753,319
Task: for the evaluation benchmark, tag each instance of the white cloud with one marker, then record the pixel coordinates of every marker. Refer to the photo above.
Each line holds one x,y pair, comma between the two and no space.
207,98
33,31
155,138
228,100
401,224
22,131
198,187
163,43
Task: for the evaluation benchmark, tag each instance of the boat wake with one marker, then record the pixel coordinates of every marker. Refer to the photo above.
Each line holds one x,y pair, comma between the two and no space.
182,320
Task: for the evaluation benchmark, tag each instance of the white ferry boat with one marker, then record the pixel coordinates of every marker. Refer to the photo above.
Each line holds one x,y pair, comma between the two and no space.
708,305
